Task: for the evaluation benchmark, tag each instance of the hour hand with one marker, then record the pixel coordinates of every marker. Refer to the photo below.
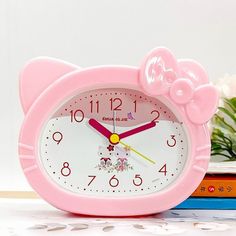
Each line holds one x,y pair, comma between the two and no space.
100,128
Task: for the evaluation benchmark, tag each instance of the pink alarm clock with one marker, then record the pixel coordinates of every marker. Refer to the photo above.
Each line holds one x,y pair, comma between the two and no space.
116,140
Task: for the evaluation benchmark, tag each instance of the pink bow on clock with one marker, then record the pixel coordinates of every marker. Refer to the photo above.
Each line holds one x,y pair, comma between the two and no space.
185,81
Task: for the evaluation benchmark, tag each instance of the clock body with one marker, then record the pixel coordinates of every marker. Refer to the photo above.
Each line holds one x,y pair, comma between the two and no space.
97,141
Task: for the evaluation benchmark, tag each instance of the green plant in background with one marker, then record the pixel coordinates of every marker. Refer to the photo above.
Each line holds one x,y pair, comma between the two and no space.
223,137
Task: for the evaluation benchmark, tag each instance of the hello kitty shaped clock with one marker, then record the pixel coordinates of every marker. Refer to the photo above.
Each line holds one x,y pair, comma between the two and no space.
116,140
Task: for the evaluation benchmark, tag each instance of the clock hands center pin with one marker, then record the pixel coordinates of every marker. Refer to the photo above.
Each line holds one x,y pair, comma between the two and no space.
114,138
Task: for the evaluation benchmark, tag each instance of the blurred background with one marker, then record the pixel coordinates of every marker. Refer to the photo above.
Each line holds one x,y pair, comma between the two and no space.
100,32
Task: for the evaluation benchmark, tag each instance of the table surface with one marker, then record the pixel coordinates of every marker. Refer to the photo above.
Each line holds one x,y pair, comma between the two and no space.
23,217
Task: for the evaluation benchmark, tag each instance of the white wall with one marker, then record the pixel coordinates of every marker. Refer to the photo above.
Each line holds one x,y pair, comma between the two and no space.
103,32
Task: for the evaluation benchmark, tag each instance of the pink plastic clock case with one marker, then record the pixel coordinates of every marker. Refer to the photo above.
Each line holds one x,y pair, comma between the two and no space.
79,80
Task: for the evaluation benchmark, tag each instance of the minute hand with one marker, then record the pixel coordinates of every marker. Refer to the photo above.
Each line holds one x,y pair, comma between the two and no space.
137,130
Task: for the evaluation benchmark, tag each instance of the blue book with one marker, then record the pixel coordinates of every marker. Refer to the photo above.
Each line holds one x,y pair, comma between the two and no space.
208,203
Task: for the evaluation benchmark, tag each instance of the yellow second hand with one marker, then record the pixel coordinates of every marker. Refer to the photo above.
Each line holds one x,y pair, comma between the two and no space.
140,154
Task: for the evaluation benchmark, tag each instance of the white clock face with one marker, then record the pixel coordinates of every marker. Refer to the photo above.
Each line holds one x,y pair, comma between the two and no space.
113,142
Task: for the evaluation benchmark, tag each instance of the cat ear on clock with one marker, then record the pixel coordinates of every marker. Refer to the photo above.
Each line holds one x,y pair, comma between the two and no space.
37,75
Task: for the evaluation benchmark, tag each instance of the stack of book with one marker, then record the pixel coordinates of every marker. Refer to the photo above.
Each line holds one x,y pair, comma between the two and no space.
217,190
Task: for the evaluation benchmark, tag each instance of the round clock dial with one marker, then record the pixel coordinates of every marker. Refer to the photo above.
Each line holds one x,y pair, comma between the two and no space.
113,142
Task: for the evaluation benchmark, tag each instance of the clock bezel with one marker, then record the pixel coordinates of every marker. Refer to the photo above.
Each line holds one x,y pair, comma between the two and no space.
128,193
107,77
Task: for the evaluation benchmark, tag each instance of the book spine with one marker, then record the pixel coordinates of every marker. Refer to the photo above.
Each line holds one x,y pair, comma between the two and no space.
216,188
208,203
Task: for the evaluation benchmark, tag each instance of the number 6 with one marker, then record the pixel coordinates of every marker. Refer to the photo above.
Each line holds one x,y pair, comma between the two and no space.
114,180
